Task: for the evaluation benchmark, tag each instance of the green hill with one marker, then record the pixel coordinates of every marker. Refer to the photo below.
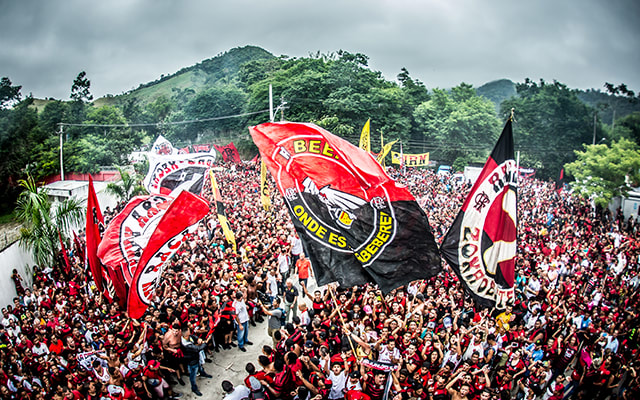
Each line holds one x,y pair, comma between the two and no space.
222,68
497,91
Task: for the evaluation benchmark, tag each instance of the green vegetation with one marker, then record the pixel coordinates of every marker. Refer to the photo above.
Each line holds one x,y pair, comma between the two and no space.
42,221
337,91
603,172
127,187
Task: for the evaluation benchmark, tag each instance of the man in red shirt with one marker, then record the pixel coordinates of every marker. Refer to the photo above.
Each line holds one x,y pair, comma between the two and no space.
303,266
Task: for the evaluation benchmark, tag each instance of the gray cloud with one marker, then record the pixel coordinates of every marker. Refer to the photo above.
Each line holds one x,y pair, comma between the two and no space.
122,43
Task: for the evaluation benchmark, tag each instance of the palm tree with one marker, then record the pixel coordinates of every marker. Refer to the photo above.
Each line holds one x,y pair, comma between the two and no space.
41,220
128,186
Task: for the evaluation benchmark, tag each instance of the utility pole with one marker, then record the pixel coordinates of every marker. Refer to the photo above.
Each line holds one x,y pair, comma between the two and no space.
61,160
595,116
613,122
271,117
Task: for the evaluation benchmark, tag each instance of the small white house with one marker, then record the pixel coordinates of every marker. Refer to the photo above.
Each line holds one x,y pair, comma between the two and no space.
63,190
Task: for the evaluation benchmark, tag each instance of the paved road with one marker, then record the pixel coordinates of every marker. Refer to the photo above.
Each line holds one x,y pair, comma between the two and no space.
229,364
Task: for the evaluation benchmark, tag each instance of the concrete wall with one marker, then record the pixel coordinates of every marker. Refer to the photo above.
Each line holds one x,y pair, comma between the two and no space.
12,257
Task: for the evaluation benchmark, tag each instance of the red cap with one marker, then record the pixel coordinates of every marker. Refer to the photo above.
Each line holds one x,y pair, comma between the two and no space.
153,364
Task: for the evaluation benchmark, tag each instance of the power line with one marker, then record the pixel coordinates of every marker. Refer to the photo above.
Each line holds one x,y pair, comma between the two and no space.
164,123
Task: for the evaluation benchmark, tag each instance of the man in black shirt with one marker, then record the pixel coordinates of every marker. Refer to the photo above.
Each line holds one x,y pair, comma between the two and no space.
191,347
290,299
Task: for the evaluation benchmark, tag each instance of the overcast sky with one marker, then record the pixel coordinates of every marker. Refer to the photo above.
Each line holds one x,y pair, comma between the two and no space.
122,43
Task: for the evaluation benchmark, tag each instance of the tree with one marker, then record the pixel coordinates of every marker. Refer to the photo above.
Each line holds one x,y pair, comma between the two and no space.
628,127
18,131
416,90
80,88
457,124
127,187
9,94
603,172
41,221
220,100
551,122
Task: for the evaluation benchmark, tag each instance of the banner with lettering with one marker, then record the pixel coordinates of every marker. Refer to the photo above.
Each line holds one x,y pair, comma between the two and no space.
356,224
177,222
410,160
172,174
201,148
481,244
129,232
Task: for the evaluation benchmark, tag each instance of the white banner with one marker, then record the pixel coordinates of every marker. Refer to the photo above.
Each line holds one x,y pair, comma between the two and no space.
173,174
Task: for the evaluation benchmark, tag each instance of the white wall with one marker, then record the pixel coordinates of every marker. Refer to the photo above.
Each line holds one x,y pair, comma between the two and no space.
12,257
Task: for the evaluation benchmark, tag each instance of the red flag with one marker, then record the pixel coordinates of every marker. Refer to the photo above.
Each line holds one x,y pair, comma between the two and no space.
229,153
481,244
560,183
115,286
129,232
67,264
176,223
356,224
94,228
78,247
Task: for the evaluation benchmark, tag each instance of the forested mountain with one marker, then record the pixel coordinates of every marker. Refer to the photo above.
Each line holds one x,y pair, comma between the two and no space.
337,91
497,91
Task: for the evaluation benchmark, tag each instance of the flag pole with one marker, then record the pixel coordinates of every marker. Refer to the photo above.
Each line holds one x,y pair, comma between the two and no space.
335,301
517,153
518,166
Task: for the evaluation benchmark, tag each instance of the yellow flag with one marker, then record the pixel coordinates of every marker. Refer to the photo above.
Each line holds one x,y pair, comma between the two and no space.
222,215
385,150
365,141
265,199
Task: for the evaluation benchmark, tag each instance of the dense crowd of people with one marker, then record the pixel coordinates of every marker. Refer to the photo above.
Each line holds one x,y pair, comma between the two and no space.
572,332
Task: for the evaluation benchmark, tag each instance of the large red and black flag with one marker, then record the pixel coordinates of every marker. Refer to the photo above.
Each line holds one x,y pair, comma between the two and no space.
178,220
94,229
356,224
140,239
481,244
129,232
